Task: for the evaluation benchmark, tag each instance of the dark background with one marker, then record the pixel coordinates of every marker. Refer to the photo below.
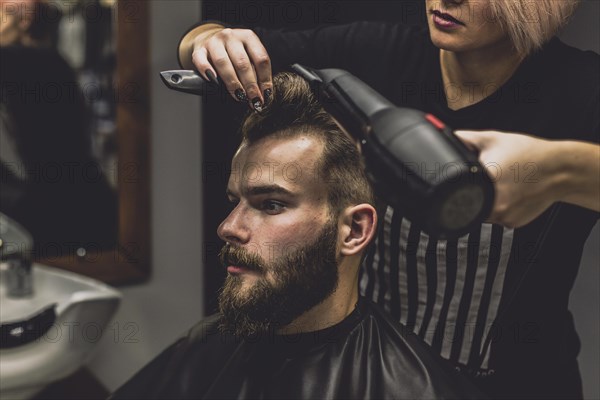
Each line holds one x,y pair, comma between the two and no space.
222,115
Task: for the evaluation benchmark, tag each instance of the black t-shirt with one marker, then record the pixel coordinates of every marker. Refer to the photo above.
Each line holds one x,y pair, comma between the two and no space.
504,287
365,356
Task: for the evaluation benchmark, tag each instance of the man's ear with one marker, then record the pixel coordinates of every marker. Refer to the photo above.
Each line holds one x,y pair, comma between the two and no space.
359,224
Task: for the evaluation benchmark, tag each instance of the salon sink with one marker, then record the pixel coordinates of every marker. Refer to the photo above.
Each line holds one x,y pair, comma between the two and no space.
52,333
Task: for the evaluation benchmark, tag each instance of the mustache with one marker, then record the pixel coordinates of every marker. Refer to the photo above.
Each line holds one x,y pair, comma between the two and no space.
230,255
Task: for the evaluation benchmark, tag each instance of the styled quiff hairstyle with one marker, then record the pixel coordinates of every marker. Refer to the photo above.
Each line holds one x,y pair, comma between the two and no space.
531,23
294,110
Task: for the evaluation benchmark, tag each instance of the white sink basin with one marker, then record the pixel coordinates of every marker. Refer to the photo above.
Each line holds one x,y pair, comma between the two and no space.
62,344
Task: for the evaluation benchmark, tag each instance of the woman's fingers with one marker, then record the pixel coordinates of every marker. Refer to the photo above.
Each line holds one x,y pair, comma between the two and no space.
245,72
262,65
474,140
238,57
220,59
200,60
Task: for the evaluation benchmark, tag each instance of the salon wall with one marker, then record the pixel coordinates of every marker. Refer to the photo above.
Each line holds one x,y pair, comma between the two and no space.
584,32
159,311
154,314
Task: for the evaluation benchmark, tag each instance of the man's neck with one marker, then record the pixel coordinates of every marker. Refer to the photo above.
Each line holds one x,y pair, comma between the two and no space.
330,311
470,77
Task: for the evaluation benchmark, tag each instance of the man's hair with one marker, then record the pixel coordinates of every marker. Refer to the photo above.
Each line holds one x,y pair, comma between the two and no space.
294,110
530,24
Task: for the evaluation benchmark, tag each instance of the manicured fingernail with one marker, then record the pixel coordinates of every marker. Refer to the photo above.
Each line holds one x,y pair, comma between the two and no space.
211,76
240,95
268,93
257,104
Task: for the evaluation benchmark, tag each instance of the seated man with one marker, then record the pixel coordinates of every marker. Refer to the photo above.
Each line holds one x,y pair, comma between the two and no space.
291,322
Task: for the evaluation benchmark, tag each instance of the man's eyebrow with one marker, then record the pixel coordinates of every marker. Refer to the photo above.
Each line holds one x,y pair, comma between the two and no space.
263,189
267,189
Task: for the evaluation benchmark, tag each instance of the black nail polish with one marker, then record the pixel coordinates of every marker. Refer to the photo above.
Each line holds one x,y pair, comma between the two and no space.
268,93
211,76
240,95
257,104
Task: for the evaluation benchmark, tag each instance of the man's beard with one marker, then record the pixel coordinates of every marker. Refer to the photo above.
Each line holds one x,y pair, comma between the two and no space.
303,278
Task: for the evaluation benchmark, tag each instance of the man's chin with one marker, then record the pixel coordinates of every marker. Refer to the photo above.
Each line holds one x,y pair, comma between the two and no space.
242,314
244,289
243,283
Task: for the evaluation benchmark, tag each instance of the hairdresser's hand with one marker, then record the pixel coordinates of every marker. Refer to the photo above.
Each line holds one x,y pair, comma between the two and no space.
237,56
530,173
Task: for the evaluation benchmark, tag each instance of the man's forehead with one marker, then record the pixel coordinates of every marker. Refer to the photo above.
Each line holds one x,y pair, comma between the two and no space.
282,148
286,161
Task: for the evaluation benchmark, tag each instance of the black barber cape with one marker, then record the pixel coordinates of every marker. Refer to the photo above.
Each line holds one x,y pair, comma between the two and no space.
365,356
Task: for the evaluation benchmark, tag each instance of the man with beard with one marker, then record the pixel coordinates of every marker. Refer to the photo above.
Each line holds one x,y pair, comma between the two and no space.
291,323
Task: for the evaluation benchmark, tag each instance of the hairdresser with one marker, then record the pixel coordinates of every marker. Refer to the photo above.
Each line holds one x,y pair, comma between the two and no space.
492,304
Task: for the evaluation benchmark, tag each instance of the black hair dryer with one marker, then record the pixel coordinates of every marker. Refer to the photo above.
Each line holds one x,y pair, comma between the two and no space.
413,160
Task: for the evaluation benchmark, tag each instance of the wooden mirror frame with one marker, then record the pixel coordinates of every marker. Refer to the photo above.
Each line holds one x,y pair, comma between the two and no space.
130,261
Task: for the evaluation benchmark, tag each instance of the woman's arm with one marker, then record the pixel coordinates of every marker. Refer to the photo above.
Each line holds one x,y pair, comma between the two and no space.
244,59
530,174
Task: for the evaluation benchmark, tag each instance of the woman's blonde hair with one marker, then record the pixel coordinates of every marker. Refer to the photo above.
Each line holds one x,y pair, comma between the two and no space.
531,23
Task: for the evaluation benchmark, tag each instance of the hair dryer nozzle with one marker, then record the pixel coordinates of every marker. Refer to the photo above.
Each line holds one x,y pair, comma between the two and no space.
307,73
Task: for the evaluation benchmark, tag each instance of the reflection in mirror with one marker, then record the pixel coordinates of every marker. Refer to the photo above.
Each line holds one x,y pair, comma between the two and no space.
58,123
86,39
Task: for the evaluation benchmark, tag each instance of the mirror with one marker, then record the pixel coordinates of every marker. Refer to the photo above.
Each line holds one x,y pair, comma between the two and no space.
93,218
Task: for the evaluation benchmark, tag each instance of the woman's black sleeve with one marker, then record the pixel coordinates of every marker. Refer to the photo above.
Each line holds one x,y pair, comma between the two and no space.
364,48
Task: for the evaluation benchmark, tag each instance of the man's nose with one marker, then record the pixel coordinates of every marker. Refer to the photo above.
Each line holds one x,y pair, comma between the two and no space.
234,229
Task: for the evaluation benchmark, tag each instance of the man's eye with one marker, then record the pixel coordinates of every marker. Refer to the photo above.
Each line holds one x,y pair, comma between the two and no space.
232,203
272,207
